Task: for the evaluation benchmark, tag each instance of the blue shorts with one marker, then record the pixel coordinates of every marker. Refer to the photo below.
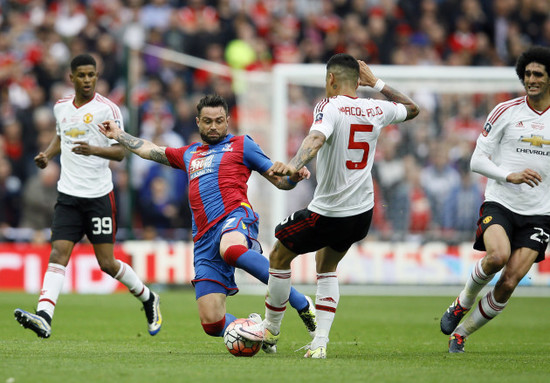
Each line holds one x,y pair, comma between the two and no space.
212,274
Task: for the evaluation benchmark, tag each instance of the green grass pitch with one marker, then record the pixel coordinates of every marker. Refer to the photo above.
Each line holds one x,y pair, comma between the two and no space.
98,338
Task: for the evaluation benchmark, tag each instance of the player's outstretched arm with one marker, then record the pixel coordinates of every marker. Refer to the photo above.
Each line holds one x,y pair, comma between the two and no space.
308,150
367,78
143,148
276,175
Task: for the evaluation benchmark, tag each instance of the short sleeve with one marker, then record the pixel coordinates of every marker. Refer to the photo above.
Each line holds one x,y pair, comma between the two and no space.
175,157
115,114
393,112
325,115
492,132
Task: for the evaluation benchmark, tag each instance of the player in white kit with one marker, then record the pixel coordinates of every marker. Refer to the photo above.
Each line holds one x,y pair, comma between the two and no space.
513,151
85,203
344,134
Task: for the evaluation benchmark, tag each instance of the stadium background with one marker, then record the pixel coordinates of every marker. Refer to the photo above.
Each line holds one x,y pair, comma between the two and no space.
157,58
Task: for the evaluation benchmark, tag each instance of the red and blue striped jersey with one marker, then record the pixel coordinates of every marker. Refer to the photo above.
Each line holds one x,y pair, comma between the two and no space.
217,177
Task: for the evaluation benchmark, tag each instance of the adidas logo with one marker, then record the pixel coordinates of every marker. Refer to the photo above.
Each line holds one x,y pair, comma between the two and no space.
519,124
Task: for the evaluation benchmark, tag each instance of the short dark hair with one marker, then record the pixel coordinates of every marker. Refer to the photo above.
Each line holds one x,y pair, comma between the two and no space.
83,59
538,54
212,101
344,66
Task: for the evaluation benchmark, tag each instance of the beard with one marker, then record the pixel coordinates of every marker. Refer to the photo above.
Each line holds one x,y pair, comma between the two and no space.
212,141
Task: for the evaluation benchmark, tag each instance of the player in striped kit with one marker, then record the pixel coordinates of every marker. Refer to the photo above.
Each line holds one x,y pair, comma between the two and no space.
86,203
513,151
344,135
225,227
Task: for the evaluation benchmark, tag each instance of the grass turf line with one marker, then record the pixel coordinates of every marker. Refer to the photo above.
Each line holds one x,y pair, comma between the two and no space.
103,338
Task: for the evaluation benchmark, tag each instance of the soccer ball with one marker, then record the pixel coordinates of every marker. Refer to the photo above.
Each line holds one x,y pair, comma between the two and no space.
236,344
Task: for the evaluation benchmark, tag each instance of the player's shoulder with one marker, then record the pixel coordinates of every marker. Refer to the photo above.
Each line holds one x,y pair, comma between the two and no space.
104,101
512,103
321,105
238,138
185,151
189,149
242,141
66,100
506,107
343,100
102,104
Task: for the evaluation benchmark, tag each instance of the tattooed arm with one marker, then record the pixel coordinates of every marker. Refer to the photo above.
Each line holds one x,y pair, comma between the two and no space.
143,148
308,150
367,78
396,96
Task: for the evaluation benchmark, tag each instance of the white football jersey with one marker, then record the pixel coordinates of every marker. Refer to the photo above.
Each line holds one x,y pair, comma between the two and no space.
517,137
84,176
351,126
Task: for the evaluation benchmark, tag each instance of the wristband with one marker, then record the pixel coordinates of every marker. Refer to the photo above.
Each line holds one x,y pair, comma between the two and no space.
292,183
379,85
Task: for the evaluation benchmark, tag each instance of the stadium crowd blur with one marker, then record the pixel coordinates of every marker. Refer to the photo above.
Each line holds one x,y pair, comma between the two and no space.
424,186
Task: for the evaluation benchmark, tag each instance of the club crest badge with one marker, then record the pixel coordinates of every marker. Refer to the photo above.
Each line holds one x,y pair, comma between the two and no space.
88,117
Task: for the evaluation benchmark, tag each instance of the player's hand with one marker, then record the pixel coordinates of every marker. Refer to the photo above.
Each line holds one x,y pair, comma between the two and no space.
281,169
527,176
82,148
109,128
41,160
302,174
366,77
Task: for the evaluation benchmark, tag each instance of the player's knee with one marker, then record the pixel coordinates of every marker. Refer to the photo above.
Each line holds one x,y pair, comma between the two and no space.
232,253
215,328
59,257
280,257
507,283
495,260
110,268
55,257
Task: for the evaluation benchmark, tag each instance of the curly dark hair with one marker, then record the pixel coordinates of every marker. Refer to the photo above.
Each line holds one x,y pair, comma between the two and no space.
538,54
83,59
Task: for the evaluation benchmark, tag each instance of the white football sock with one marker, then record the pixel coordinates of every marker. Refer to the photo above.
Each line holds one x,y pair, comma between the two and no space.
51,287
278,291
128,277
486,309
326,302
476,281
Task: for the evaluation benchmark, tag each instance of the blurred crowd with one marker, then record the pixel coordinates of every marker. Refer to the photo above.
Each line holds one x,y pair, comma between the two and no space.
425,188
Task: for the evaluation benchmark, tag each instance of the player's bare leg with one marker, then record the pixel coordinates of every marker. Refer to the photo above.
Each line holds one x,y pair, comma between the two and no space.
128,277
41,322
212,313
494,302
498,252
278,293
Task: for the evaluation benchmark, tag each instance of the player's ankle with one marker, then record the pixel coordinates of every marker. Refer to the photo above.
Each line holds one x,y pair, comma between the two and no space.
45,315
